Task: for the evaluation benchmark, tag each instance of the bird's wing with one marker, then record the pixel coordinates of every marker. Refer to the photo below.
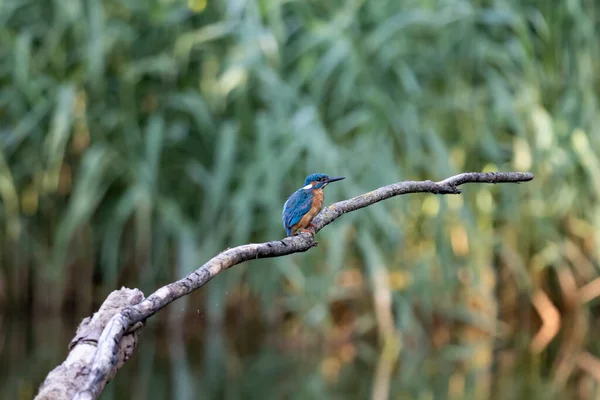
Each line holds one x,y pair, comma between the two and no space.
298,204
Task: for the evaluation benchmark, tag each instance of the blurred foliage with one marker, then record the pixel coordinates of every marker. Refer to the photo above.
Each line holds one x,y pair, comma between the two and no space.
138,139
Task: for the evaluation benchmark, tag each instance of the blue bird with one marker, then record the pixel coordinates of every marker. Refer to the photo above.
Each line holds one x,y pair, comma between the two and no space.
305,203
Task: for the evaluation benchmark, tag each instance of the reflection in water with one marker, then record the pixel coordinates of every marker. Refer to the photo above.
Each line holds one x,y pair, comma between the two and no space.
30,346
177,358
184,354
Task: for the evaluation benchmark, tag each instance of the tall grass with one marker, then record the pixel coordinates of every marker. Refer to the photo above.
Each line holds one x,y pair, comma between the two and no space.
138,139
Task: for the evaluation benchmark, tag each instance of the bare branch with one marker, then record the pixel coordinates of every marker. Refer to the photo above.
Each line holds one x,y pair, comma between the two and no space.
65,380
106,356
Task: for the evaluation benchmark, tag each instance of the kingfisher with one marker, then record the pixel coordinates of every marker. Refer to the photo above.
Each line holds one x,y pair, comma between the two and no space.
305,203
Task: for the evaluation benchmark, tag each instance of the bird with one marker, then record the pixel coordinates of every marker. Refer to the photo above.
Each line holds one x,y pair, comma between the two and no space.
305,203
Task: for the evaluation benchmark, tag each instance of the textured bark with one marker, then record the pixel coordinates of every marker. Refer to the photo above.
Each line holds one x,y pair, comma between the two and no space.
106,360
64,381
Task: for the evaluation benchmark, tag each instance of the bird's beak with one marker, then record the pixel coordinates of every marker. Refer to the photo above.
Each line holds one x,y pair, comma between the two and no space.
335,178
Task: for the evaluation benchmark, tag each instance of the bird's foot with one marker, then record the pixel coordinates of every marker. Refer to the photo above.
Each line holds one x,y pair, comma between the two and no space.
304,230
312,226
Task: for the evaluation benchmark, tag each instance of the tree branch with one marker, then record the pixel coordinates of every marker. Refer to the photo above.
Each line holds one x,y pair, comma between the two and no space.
64,381
106,357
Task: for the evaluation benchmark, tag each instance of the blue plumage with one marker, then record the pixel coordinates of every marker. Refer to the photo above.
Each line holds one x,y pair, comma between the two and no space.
305,203
297,205
320,179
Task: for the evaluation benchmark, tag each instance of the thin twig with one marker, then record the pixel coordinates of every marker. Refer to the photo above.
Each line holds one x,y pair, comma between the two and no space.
106,358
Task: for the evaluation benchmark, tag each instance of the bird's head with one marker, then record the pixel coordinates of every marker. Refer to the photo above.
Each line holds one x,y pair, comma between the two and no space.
318,181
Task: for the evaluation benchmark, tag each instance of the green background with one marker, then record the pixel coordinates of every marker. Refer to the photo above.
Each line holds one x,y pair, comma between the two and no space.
139,139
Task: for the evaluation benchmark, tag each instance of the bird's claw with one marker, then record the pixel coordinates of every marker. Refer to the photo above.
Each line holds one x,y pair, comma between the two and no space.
307,230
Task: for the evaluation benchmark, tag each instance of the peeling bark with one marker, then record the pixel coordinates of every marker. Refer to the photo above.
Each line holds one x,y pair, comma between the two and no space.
64,381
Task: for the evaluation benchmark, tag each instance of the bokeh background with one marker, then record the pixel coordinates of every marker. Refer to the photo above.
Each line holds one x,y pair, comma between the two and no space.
140,138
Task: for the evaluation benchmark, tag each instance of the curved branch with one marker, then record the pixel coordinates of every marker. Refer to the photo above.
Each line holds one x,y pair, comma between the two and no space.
106,356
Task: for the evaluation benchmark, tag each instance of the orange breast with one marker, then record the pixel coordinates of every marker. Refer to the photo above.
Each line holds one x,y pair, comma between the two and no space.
317,205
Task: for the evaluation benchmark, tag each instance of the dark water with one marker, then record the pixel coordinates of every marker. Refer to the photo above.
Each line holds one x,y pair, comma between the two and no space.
180,357
30,346
183,356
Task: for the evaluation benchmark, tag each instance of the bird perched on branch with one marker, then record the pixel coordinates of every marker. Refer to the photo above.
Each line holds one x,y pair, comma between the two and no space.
305,203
